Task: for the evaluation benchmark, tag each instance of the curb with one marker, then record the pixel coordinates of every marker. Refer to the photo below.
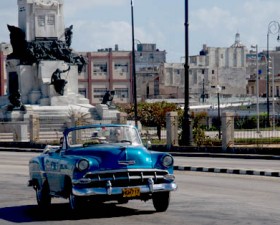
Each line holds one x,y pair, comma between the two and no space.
229,171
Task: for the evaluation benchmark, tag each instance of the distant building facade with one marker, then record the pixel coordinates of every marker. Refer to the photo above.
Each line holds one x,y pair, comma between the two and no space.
107,70
148,60
232,68
224,67
270,78
213,67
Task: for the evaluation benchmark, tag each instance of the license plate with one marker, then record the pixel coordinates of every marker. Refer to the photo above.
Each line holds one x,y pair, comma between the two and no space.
131,192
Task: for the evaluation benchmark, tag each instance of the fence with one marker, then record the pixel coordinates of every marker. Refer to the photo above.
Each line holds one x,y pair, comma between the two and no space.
49,130
246,131
44,130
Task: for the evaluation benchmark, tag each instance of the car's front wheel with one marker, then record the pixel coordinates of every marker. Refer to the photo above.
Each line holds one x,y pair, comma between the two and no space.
161,201
75,202
43,195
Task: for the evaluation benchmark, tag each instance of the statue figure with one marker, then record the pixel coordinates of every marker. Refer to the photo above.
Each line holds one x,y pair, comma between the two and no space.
108,98
68,35
46,49
14,94
18,42
15,101
57,81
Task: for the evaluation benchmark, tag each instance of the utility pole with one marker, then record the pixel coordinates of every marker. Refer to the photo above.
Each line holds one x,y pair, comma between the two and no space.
187,139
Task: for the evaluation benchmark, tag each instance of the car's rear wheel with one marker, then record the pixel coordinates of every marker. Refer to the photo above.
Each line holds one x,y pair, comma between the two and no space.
161,201
43,195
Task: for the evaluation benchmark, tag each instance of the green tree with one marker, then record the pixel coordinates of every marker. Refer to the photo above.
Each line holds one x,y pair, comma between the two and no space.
151,114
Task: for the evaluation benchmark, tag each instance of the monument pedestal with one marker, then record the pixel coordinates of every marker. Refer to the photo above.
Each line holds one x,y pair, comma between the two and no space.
35,83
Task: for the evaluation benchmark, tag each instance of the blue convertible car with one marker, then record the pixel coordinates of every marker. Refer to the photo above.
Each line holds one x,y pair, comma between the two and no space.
99,163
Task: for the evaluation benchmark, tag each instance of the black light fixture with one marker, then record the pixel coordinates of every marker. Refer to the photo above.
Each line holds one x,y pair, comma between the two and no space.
187,139
273,28
133,67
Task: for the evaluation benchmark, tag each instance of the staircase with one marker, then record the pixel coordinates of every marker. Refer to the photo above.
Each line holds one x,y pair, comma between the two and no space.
53,121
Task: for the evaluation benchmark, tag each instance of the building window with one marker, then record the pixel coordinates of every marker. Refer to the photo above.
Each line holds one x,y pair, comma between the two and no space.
213,71
156,87
51,20
121,92
100,67
41,21
202,71
98,93
121,67
83,92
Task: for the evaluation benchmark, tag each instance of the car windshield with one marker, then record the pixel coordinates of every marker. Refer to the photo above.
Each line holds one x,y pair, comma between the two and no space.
103,135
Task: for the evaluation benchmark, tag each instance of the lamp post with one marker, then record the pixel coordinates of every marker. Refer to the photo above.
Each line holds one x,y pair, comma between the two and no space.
187,139
273,93
273,28
133,67
219,113
257,87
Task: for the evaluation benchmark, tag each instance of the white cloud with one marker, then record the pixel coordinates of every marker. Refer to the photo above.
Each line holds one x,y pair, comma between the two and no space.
104,23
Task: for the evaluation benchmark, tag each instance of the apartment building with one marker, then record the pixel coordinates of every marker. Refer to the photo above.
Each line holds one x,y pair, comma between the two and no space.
270,78
107,70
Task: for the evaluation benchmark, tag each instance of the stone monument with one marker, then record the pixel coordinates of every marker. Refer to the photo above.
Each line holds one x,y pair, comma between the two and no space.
43,69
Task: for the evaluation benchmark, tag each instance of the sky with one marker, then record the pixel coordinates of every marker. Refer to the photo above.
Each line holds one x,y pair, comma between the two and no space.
101,24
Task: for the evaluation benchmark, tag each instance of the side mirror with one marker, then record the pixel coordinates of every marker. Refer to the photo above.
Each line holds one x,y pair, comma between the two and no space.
148,144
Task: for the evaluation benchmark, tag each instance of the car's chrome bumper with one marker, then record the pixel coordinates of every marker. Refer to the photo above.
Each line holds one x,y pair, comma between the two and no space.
109,190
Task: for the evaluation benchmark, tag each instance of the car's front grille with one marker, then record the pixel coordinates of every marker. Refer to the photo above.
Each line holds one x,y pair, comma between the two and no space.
126,178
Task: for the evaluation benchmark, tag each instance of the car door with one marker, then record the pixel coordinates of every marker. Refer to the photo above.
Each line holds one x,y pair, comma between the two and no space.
52,169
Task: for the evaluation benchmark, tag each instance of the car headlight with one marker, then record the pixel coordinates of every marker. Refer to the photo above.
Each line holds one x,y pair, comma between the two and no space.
82,164
167,161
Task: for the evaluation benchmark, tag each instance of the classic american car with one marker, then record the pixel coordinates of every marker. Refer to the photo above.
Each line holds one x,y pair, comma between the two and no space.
99,163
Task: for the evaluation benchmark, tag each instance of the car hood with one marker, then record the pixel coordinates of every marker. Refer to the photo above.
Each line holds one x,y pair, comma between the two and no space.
111,157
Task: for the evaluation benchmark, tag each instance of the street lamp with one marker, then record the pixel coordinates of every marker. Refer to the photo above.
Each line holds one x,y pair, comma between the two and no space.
187,139
257,88
273,28
133,68
219,113
273,92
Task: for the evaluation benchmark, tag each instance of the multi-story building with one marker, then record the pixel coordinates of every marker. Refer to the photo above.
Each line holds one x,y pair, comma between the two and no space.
111,69
213,67
273,78
107,69
224,67
147,62
171,80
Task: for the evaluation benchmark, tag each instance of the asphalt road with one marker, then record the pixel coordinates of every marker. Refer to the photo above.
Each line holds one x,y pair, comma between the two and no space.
202,199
